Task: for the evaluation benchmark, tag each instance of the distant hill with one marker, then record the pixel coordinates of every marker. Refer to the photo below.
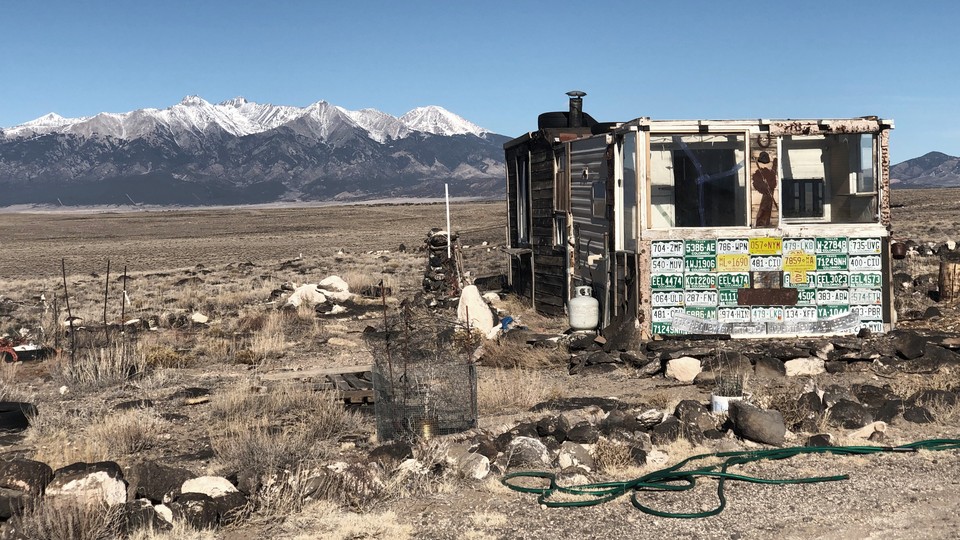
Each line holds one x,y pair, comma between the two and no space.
934,169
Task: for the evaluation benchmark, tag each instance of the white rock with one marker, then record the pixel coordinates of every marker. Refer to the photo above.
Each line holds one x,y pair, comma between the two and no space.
491,297
335,295
306,294
650,417
572,454
804,367
199,318
64,390
336,310
473,465
334,283
657,458
683,369
212,486
164,512
481,318
95,486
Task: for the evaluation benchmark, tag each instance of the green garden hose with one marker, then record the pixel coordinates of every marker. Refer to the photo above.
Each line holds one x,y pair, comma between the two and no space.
675,479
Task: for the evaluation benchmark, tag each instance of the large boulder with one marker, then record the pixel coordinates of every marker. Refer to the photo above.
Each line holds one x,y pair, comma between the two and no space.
15,416
196,509
756,424
308,295
26,475
849,414
572,454
528,451
473,311
100,482
214,486
155,482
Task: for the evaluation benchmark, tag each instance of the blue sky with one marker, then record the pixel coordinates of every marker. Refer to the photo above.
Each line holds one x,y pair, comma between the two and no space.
497,63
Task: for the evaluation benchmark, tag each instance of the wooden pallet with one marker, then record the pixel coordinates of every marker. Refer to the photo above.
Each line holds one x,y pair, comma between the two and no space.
354,387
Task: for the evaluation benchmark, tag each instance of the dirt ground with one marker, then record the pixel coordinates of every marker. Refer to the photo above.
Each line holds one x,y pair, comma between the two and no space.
887,496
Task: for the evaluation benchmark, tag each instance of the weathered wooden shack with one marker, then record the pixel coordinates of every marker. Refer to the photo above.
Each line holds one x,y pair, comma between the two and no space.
741,227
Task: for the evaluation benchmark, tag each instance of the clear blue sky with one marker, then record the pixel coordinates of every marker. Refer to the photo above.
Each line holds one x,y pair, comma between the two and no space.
497,63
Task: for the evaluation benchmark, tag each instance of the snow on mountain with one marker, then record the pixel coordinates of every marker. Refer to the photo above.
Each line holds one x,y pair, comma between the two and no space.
439,121
193,118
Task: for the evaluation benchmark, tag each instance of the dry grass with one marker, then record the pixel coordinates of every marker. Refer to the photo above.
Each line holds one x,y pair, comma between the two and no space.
507,354
324,520
68,518
613,457
98,367
509,390
127,432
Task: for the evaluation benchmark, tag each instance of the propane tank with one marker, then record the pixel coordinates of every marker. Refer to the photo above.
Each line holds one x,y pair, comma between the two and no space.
584,309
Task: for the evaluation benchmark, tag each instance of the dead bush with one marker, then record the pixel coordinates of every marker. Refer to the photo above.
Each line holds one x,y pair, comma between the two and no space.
507,390
99,367
507,354
127,432
61,518
612,456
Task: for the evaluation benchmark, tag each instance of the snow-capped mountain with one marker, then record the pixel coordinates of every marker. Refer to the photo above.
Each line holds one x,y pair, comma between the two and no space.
238,151
239,117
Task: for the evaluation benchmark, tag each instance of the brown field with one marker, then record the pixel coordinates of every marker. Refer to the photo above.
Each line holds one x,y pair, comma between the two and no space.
261,364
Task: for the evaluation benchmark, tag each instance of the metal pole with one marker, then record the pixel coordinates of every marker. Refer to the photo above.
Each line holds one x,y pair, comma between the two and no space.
106,292
66,297
446,190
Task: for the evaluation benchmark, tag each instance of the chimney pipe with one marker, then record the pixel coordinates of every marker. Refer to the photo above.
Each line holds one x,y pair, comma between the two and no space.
575,119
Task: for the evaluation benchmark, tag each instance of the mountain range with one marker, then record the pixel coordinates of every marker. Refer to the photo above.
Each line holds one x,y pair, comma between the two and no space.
241,152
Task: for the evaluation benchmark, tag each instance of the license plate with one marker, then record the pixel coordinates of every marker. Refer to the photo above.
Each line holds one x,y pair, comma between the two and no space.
728,297
826,312
833,297
832,280
807,245
832,262
832,245
665,314
666,248
700,248
865,262
866,280
700,298
866,296
806,296
666,298
699,281
766,313
799,313
700,264
733,280
702,312
864,246
666,282
868,313
733,314
733,246
760,263
666,264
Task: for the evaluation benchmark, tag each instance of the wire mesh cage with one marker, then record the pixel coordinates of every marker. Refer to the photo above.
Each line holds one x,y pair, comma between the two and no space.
424,380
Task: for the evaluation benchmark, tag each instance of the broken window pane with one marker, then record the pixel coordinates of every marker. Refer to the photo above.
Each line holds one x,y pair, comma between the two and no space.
698,180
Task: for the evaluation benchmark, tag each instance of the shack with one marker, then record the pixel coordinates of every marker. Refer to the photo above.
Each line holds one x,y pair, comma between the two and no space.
741,227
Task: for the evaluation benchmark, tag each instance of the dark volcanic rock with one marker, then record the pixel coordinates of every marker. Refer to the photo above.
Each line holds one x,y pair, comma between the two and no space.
908,344
849,414
155,482
756,424
26,475
889,410
917,415
769,367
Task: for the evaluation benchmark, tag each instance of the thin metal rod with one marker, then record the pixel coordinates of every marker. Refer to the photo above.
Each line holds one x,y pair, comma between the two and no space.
106,291
66,297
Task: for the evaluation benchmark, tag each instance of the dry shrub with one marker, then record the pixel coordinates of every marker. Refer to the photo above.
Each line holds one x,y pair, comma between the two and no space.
326,520
506,390
181,531
270,341
429,475
10,390
508,354
907,384
301,323
128,431
57,435
358,280
162,356
612,457
99,367
266,432
63,518
784,398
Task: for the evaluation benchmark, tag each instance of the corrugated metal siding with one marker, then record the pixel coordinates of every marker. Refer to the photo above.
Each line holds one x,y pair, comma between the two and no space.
588,176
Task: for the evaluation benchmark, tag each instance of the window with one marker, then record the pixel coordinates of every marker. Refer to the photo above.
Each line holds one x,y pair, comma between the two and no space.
828,178
698,180
628,190
559,230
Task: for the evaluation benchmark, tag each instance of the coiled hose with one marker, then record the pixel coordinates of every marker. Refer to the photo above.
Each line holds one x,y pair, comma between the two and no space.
675,479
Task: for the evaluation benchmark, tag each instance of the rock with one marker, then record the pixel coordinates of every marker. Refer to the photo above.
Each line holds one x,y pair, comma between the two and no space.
693,413
584,433
26,475
810,407
908,344
155,482
134,404
473,465
213,486
650,418
786,352
769,367
528,451
230,507
683,369
933,397
757,425
804,367
334,283
835,366
591,414
849,414
871,396
308,295
932,312
15,416
820,440
196,509
140,514
667,431
91,482
619,421
940,356
190,393
12,502
889,410
834,393
917,415
823,350
480,318
199,318
572,454
391,453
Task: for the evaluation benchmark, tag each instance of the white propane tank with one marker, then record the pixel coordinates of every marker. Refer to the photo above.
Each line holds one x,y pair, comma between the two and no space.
584,309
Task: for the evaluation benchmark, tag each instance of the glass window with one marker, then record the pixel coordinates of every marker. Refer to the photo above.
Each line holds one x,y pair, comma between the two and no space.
828,178
698,180
630,212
